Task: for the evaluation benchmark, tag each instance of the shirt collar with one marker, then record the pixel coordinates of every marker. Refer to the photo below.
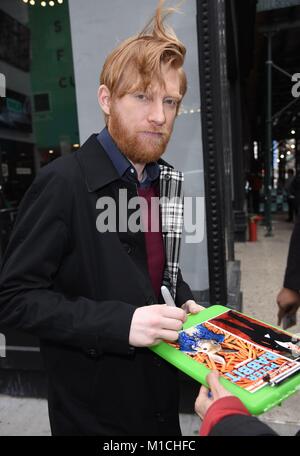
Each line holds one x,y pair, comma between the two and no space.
120,162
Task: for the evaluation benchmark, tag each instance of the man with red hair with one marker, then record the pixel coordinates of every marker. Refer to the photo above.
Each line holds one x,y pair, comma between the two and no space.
92,294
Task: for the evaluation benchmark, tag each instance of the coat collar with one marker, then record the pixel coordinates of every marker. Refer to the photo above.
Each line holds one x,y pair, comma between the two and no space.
97,167
95,164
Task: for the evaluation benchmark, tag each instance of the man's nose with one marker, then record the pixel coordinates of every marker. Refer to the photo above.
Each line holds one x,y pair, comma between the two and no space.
157,113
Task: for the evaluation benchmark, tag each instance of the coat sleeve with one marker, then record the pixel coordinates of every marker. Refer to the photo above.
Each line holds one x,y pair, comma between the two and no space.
28,300
241,425
183,291
228,416
292,273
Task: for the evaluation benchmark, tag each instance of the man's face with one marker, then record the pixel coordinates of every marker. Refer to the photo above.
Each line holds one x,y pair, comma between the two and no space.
141,123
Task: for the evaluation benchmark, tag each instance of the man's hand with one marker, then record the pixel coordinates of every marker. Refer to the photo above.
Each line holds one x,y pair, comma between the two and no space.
151,324
203,401
288,302
192,307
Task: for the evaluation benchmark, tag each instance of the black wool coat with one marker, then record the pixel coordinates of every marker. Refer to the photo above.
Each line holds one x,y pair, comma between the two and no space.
77,289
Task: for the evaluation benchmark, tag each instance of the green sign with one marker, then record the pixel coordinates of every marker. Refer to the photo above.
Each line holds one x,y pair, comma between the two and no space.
52,77
265,5
14,105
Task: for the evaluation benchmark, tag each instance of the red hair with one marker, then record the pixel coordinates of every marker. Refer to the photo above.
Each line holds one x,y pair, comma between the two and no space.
139,59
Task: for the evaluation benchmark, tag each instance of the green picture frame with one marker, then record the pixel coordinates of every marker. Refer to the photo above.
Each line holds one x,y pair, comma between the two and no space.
256,402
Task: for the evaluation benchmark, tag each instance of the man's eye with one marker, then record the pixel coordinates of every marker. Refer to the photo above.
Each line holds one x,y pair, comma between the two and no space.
171,102
141,96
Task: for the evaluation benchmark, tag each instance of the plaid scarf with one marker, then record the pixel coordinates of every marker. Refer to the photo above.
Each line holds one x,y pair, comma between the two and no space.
171,206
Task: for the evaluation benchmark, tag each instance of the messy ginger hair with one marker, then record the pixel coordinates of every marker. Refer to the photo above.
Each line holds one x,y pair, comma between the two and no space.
139,59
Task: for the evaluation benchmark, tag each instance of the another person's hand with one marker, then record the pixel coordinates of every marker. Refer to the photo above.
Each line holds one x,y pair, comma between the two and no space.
288,302
217,391
192,307
152,324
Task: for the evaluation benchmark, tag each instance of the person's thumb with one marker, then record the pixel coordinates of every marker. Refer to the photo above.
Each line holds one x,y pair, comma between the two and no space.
217,389
203,392
213,382
213,377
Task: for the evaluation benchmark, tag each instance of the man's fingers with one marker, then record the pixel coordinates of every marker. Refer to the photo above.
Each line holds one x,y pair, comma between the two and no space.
192,307
173,312
195,308
171,323
165,334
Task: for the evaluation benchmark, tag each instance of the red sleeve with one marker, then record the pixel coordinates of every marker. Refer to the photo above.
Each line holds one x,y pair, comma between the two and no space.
226,406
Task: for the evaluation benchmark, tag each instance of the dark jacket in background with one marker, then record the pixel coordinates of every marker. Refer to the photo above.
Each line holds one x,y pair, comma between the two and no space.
292,273
294,190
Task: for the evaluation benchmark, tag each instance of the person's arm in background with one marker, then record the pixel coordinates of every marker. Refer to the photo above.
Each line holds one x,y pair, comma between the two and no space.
288,299
224,414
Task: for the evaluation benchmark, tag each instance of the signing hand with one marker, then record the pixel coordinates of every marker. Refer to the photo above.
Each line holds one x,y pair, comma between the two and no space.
152,324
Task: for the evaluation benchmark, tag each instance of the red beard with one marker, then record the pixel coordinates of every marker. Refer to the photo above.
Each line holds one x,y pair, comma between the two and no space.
137,147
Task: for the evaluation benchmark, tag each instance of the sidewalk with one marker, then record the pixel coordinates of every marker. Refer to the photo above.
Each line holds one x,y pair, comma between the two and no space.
263,265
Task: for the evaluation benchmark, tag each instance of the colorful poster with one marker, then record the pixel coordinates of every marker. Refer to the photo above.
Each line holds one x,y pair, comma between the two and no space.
249,353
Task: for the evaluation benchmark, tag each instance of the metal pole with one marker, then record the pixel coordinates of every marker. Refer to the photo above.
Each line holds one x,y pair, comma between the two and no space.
269,142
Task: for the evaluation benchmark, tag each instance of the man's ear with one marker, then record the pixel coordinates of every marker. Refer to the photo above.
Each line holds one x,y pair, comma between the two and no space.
104,99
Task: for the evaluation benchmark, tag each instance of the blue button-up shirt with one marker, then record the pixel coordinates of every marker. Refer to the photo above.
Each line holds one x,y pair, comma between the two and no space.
124,167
